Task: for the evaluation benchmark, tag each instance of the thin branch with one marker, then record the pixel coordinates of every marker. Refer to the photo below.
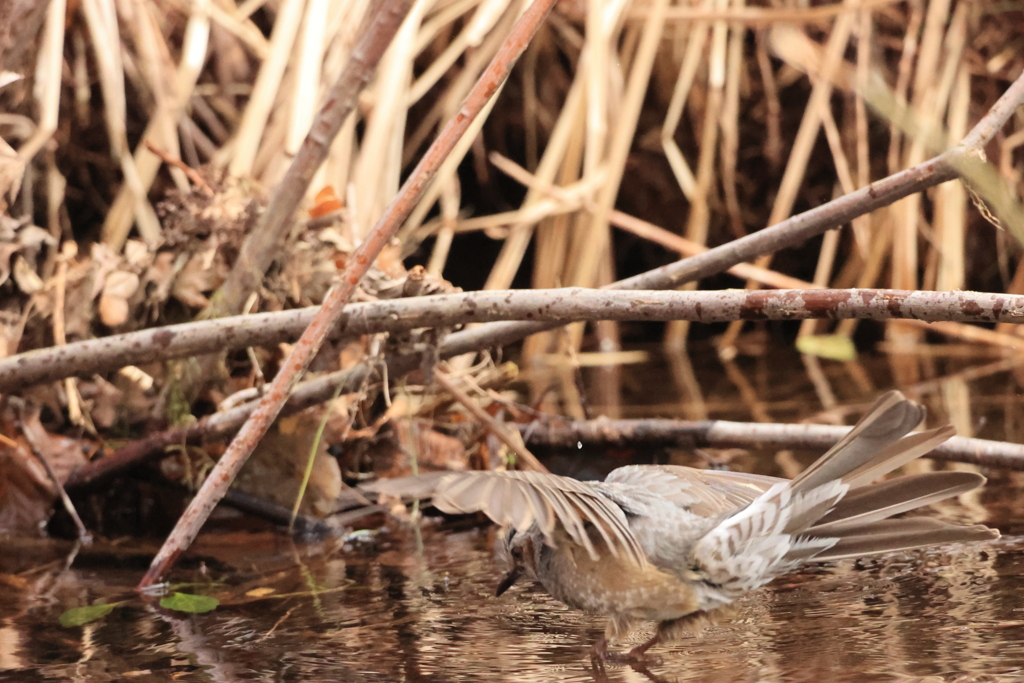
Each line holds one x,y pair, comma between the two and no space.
84,537
218,425
492,425
326,320
758,16
723,434
574,304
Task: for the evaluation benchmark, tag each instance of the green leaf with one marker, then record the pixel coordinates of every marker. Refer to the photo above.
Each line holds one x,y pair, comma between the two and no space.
187,602
830,346
76,616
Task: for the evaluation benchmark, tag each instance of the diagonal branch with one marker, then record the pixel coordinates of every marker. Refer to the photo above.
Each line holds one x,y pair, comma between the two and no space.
326,320
788,233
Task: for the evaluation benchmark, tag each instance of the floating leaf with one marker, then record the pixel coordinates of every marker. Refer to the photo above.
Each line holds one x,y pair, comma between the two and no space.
76,616
186,602
830,346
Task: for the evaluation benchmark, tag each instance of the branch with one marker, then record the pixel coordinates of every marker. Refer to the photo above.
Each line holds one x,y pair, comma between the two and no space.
559,304
499,430
326,320
789,232
570,304
220,425
722,434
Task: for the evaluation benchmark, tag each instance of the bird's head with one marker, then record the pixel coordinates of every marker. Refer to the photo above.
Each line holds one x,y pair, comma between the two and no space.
518,548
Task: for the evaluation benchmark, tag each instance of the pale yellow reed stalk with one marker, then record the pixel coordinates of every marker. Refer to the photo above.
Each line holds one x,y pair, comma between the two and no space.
264,91
193,55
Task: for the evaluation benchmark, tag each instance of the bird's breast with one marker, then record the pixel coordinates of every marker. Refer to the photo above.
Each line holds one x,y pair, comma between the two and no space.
612,585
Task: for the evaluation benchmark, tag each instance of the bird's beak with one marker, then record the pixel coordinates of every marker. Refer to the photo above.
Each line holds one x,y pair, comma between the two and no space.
508,580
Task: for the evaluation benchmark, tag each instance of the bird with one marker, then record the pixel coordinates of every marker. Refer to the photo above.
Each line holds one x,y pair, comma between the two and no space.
678,546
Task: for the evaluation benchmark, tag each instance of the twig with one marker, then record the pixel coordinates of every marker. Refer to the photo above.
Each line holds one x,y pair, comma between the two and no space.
760,16
174,162
641,228
495,427
569,304
723,434
326,320
68,251
575,304
83,534
301,525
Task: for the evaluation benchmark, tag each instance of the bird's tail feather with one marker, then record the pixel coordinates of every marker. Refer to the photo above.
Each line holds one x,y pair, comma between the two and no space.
901,534
877,433
859,519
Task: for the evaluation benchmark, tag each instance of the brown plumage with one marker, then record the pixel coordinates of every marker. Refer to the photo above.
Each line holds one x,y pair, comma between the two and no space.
675,545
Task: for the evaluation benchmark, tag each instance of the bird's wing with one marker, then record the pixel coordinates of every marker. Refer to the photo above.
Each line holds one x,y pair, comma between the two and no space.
707,493
521,499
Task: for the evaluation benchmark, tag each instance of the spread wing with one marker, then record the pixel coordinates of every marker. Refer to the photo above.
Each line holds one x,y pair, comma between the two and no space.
522,499
708,493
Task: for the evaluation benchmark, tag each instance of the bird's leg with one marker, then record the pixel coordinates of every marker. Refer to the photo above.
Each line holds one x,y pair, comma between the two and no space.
667,631
639,653
617,626
599,653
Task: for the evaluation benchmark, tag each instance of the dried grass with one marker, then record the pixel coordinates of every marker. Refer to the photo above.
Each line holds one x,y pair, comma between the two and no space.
756,112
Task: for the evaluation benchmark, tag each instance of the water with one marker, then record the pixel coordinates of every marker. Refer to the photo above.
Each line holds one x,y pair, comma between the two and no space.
384,611
403,605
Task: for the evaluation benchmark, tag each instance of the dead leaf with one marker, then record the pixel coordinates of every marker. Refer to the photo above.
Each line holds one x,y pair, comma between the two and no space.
106,401
7,249
8,77
113,306
64,454
32,237
104,260
12,170
326,202
198,276
161,276
277,465
390,260
26,492
25,276
432,449
25,506
137,254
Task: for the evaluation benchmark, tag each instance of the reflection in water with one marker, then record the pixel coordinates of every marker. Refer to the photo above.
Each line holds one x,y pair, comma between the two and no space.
944,612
